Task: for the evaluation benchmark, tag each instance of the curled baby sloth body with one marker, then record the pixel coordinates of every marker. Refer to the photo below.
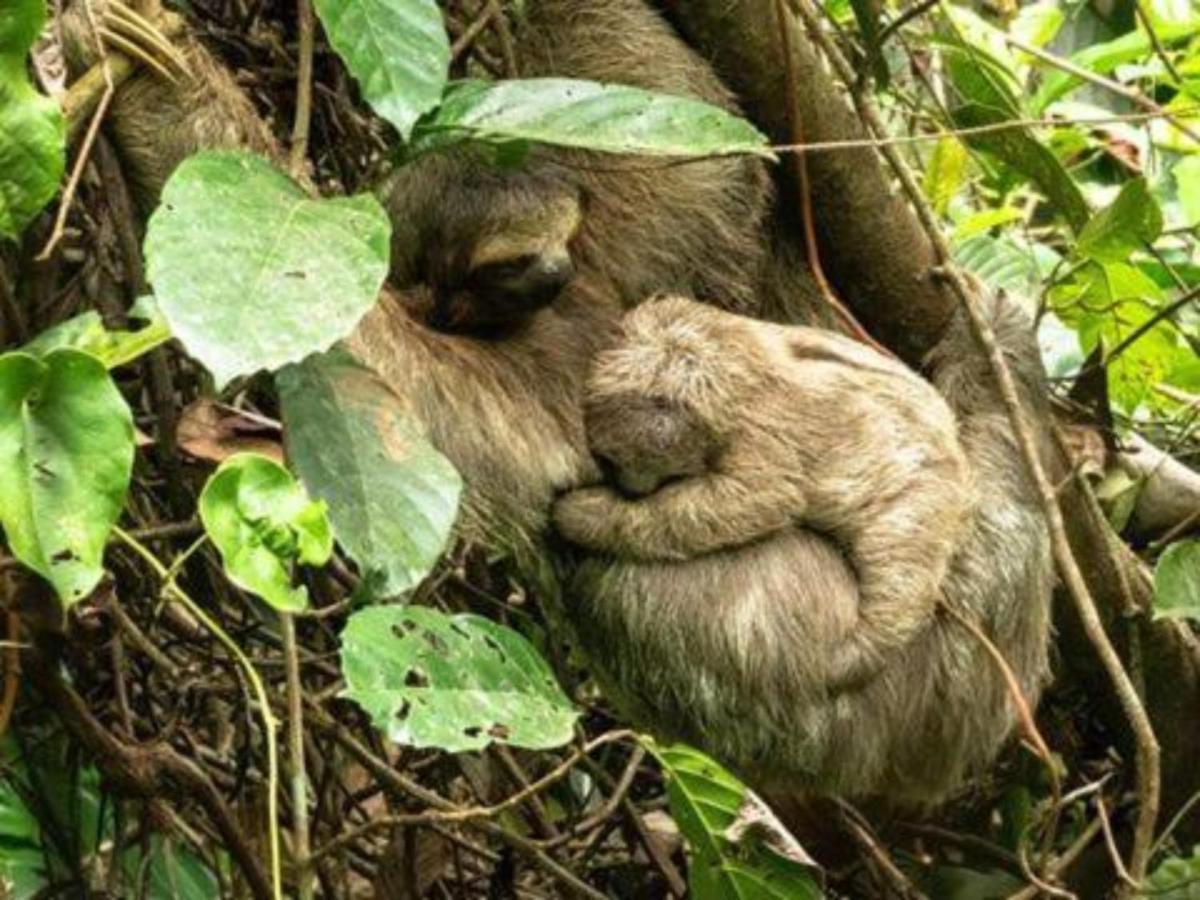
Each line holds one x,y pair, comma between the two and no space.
716,431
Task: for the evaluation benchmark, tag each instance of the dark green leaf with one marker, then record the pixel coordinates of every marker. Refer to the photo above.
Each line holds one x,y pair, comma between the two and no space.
32,133
1177,581
263,523
1122,227
452,682
251,272
397,51
392,497
609,117
66,453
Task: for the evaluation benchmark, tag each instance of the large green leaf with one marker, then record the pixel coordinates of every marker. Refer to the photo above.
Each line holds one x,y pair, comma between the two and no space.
392,497
32,133
263,523
66,453
453,682
1177,581
1131,220
252,273
609,117
1176,878
739,851
86,332
397,50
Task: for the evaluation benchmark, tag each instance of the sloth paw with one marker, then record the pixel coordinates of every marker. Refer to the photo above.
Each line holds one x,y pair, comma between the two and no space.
580,515
120,27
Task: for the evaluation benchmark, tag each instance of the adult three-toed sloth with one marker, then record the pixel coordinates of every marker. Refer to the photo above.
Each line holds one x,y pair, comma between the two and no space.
503,402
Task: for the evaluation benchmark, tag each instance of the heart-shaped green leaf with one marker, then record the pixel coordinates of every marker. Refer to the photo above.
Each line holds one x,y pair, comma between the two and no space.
392,497
614,118
1112,234
453,682
263,523
252,273
32,133
66,453
397,51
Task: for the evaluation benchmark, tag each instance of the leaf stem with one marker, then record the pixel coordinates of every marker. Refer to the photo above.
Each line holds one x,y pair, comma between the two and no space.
256,685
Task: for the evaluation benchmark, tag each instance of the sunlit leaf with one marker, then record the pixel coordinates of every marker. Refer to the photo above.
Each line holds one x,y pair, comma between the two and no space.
944,173
392,497
1177,581
1187,183
66,454
32,133
251,272
454,682
397,51
608,117
86,332
263,523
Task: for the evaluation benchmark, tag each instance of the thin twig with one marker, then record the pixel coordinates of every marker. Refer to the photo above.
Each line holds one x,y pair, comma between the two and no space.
1156,42
304,78
1148,753
299,777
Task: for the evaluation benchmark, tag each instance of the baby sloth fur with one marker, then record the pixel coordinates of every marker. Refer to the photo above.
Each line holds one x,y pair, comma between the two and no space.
718,431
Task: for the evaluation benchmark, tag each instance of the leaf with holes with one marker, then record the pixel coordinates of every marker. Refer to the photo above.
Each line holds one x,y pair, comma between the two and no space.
453,682
613,118
392,497
66,454
263,523
1177,581
252,273
397,51
32,133
738,849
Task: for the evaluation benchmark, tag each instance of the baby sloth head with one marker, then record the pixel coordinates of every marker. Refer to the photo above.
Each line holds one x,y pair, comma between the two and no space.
488,247
660,404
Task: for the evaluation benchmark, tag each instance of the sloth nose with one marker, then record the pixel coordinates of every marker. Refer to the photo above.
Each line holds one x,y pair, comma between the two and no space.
549,274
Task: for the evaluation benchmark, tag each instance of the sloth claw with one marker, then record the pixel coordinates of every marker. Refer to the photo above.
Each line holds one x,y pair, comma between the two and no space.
133,34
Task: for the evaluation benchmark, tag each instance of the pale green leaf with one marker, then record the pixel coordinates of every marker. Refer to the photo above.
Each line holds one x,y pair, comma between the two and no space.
612,118
1187,183
66,454
453,682
263,523
1177,581
392,497
32,133
252,273
397,51
944,173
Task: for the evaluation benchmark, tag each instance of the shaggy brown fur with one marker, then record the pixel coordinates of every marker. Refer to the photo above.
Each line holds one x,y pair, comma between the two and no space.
721,430
704,651
735,679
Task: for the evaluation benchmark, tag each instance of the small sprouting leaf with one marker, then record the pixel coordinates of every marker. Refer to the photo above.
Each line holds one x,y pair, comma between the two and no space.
397,51
944,173
1112,234
453,682
739,851
1177,581
66,454
263,523
608,117
32,133
392,497
86,332
251,272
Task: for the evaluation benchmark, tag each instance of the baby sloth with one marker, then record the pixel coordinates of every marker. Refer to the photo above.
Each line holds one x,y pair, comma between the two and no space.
716,431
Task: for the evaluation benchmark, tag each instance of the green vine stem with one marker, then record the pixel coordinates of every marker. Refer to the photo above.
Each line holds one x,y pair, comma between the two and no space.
269,722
